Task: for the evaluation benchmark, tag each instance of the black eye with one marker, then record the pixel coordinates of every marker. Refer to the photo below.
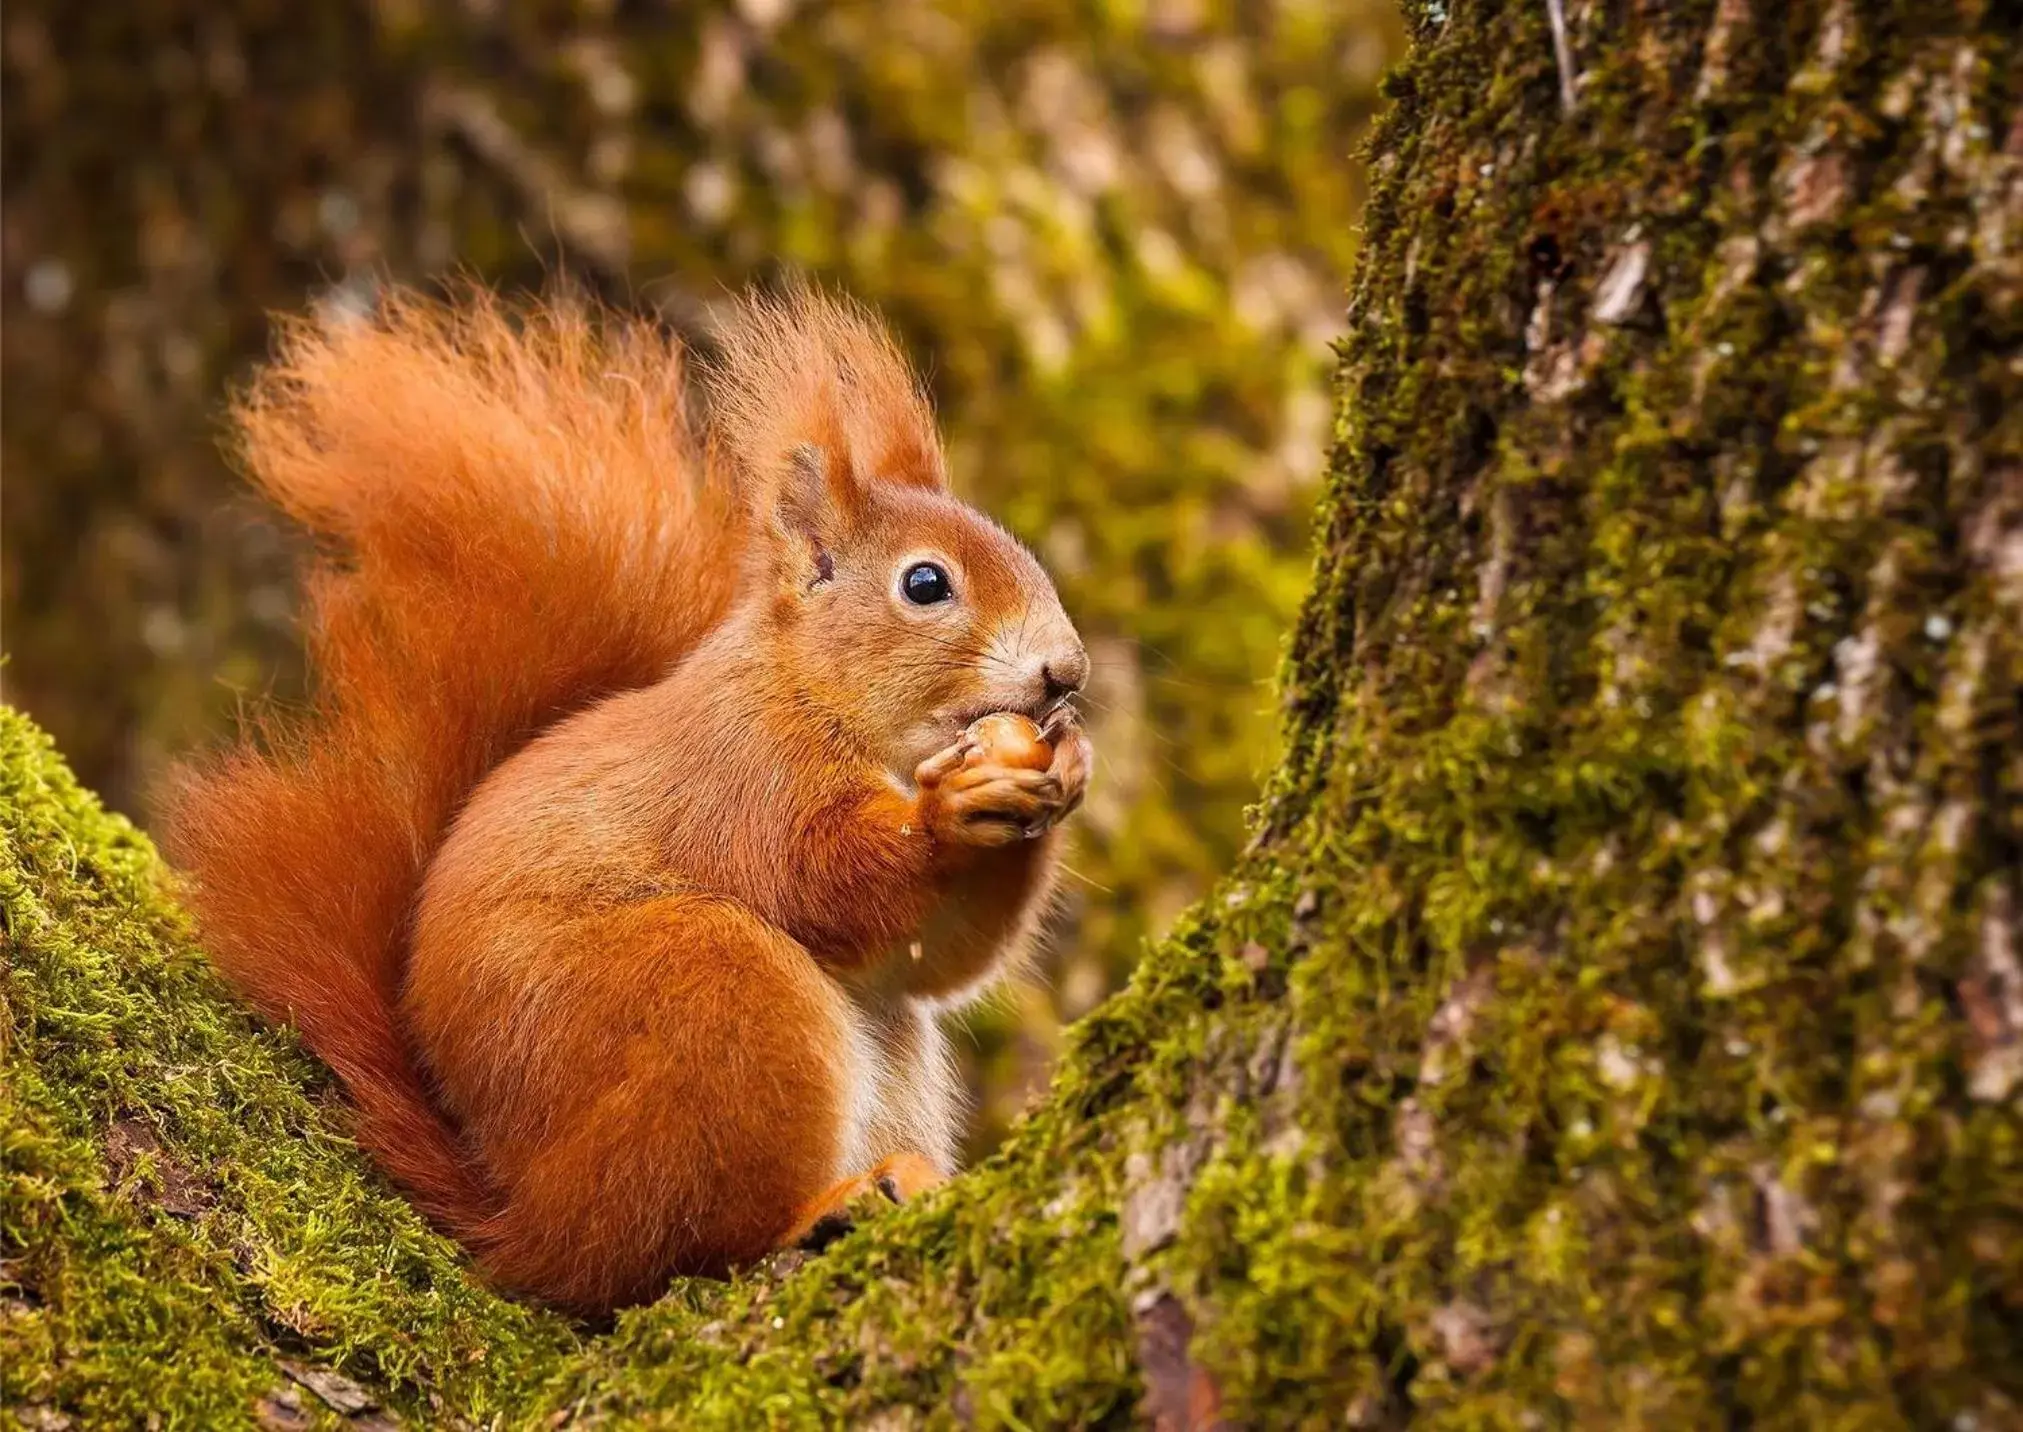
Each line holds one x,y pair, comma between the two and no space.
925,584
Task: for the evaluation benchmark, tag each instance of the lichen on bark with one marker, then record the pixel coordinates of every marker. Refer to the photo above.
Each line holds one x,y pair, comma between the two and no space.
1617,1017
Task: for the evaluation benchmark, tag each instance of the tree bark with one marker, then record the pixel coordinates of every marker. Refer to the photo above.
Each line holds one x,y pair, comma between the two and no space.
1618,1018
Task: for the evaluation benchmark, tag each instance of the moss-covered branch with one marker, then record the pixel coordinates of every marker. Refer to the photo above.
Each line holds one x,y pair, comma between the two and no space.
1619,1015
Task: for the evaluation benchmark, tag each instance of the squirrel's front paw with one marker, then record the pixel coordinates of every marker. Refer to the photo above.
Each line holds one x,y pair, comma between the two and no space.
989,804
980,794
1073,756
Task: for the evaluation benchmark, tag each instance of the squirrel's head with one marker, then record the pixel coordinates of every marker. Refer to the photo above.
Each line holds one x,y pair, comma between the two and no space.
904,612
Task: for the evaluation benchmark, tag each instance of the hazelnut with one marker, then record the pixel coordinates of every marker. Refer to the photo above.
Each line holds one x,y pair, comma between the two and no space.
1007,739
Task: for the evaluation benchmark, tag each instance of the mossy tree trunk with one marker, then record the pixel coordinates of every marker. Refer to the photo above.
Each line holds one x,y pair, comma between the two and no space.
1657,747
1618,1018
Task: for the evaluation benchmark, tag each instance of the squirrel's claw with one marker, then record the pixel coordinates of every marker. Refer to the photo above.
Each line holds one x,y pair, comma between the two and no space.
940,765
826,1230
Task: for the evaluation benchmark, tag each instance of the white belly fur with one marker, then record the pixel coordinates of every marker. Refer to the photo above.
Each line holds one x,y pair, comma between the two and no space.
902,1095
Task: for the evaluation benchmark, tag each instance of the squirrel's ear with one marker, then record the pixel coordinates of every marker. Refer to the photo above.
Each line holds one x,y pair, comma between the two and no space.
814,508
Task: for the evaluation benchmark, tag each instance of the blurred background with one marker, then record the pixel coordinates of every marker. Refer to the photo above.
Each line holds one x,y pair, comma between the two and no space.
1114,234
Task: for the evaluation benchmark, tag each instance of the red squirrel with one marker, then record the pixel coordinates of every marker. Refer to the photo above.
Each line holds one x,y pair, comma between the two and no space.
636,830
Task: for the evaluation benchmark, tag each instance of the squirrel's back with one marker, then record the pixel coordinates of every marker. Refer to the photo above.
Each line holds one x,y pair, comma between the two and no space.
514,520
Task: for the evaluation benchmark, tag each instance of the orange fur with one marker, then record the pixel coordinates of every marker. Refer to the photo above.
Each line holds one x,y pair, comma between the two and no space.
627,849
897,1178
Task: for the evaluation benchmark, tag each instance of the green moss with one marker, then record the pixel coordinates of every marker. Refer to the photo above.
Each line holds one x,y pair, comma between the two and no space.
179,1209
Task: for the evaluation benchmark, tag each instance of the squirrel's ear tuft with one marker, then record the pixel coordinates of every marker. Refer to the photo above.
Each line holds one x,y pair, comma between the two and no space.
800,370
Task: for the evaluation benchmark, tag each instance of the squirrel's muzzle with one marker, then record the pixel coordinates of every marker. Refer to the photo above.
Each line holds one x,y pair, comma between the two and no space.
1064,672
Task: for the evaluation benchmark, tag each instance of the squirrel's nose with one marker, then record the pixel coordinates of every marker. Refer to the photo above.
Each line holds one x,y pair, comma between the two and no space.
1064,672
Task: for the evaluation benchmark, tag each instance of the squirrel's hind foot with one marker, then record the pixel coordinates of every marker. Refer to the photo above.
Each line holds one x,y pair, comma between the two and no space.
825,1219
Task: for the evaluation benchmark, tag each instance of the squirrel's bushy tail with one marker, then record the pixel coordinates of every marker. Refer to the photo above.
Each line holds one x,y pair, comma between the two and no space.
514,520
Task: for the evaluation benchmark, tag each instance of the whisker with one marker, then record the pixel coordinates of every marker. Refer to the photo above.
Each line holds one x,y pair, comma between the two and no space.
965,649
1092,884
